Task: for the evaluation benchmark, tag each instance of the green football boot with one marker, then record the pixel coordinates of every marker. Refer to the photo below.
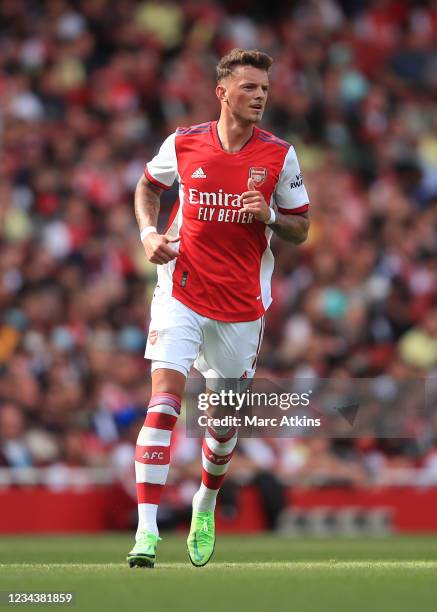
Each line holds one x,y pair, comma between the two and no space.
201,539
143,554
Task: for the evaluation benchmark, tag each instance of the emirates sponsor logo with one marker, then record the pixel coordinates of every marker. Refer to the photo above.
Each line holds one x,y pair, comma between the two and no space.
212,198
218,206
258,174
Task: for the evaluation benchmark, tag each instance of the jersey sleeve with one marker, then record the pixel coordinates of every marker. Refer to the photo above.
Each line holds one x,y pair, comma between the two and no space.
290,195
162,170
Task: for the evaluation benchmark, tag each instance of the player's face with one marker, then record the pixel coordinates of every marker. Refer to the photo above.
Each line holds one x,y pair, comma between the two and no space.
245,93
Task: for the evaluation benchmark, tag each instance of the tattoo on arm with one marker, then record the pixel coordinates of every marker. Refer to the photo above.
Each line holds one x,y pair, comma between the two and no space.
147,203
292,228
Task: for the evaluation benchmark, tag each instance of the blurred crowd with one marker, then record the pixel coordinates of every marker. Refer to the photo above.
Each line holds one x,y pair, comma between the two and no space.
89,89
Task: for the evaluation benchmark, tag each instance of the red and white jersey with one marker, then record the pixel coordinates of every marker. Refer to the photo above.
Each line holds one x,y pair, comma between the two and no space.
225,264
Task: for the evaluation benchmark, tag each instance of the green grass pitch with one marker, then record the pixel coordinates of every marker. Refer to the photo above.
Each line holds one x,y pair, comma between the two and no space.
253,573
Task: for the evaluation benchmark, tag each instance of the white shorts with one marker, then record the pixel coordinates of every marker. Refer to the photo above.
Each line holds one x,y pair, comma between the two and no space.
180,338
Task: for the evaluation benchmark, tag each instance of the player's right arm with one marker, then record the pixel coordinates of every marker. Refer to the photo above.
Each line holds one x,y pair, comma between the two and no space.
159,174
147,203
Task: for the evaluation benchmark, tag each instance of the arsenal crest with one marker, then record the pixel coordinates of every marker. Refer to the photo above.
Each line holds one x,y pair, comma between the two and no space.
259,175
153,337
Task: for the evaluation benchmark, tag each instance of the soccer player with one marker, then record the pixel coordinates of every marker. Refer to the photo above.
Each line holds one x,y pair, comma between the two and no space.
237,185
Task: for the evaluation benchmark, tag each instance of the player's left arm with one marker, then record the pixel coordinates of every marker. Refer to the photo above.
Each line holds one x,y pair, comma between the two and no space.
293,228
292,218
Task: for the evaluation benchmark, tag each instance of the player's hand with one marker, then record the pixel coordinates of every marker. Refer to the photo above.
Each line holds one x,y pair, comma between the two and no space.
253,202
157,249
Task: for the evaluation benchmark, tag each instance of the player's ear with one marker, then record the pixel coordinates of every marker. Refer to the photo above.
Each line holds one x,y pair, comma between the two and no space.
220,92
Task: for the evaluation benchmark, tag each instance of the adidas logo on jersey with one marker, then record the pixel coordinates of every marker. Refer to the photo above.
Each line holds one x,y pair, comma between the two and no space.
199,173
